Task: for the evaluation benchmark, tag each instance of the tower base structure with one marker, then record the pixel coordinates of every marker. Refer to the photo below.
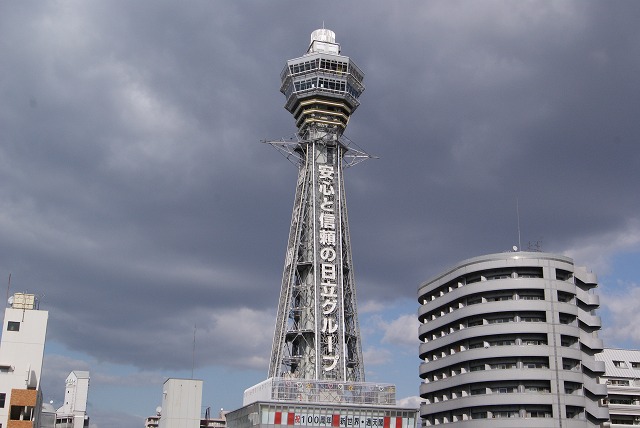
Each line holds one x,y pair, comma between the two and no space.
314,403
279,402
321,391
262,414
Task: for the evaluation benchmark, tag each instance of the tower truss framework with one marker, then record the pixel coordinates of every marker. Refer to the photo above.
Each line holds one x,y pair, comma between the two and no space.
317,334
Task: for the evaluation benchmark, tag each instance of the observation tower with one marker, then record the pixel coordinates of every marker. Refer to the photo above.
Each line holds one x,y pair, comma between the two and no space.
316,334
316,373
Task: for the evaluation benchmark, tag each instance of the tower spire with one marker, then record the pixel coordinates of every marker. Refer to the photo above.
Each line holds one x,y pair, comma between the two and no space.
317,334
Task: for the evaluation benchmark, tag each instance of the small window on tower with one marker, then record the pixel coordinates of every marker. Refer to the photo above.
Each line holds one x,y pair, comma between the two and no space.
13,326
3,397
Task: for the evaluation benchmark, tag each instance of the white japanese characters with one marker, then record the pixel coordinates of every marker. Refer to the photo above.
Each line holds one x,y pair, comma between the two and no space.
328,269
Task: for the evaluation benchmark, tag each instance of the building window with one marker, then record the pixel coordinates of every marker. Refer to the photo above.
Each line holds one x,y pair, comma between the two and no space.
537,388
618,382
568,341
13,326
635,365
479,415
538,414
571,387
503,366
574,412
500,298
474,300
532,318
626,401
505,414
535,365
474,322
566,318
499,320
564,297
21,413
502,343
504,390
3,397
570,364
620,364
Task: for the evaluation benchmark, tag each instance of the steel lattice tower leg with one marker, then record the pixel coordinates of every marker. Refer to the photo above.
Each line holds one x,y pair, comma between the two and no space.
317,334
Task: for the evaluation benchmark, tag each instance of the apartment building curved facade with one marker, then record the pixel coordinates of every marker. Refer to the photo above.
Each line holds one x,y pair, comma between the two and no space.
509,339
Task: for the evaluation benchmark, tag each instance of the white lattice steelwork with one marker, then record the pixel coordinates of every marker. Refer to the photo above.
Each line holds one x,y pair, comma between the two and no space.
317,335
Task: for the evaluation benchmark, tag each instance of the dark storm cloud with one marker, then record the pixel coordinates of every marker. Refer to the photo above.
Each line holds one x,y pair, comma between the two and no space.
503,104
135,195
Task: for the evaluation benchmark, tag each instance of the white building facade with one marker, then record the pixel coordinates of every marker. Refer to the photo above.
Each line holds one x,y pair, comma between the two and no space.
73,413
509,339
21,354
181,403
622,377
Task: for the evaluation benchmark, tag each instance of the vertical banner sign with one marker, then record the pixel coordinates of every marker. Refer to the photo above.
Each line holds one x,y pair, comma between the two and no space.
328,268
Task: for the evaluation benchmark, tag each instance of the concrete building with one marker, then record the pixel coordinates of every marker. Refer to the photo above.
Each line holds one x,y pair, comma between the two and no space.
210,422
73,413
153,421
21,354
181,403
182,399
511,338
48,416
622,377
274,414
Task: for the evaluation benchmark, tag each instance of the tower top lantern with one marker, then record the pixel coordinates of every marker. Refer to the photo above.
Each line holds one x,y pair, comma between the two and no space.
322,87
323,40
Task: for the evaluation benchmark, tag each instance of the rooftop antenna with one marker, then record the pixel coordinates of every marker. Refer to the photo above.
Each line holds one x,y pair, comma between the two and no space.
518,215
8,286
193,353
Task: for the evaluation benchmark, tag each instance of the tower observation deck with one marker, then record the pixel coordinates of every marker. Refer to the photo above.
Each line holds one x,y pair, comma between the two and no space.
317,336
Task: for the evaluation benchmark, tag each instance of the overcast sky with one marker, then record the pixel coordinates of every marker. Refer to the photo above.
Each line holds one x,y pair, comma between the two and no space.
137,200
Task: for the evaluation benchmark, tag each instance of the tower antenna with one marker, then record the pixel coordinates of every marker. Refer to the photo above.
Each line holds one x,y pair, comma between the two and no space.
193,352
8,286
518,216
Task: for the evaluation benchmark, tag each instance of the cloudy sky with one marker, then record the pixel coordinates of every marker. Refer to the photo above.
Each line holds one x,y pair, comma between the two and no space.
137,200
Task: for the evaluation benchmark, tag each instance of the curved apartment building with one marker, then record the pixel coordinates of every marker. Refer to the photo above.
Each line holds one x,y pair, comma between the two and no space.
509,339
